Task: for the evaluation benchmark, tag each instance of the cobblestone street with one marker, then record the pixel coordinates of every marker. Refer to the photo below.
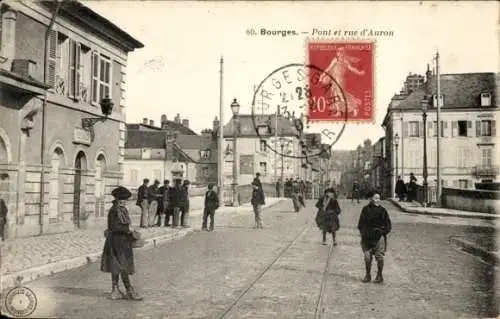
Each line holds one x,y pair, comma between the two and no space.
278,272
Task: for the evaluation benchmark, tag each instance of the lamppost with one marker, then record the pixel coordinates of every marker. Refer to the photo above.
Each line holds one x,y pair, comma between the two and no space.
235,108
396,146
424,104
106,109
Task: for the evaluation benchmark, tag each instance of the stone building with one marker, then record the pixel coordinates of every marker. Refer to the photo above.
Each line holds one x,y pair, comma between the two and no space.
469,146
56,169
152,151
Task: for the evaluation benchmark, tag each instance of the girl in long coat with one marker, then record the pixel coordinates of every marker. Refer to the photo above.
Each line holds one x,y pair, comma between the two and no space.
327,217
117,256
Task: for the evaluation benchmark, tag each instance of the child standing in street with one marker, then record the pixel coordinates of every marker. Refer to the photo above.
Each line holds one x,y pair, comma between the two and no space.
211,205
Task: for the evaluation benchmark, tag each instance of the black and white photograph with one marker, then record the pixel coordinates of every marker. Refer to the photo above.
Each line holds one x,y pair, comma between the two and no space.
249,159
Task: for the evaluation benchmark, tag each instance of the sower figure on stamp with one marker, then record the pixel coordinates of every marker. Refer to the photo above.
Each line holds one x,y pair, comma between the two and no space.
142,202
374,225
327,217
211,205
258,199
117,256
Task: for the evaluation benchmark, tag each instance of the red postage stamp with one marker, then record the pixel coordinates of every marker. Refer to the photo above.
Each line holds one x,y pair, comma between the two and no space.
346,83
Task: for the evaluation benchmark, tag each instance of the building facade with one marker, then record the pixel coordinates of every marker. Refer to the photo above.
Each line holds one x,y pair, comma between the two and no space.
151,152
57,170
469,147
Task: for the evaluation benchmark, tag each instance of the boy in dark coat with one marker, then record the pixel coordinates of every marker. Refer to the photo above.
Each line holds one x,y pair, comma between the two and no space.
327,217
211,205
374,225
184,203
258,199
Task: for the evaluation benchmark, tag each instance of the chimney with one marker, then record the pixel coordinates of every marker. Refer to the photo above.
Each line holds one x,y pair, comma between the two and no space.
24,67
145,120
164,123
151,122
177,119
215,124
428,76
185,123
8,39
163,118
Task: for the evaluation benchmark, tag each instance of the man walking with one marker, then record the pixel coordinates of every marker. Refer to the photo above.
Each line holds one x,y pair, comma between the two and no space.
211,205
258,199
400,189
374,225
356,190
142,202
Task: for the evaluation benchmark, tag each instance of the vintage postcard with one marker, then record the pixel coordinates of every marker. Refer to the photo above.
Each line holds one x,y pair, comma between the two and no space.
249,159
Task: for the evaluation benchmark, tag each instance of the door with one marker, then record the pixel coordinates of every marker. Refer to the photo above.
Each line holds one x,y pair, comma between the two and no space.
78,189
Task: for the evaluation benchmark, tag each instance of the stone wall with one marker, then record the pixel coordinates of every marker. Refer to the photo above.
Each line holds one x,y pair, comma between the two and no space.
483,201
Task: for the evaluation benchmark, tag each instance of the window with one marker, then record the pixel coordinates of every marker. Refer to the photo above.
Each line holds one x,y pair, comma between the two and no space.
485,99
205,154
75,69
101,77
486,157
263,146
263,168
460,127
464,156
463,183
205,171
485,128
134,176
434,100
414,129
434,128
146,153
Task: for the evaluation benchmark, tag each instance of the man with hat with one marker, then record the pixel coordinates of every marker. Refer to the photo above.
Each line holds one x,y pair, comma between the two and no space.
258,199
142,201
184,203
117,256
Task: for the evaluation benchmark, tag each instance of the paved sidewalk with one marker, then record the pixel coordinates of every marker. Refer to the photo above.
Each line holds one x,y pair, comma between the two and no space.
26,259
418,209
485,246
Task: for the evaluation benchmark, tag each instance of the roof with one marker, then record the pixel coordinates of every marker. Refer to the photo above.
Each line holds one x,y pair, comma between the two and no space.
285,126
112,32
157,139
171,127
459,91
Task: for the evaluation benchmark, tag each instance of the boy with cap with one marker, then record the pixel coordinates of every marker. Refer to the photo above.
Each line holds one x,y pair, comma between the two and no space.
211,205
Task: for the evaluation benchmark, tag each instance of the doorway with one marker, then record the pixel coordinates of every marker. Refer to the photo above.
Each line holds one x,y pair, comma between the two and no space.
79,191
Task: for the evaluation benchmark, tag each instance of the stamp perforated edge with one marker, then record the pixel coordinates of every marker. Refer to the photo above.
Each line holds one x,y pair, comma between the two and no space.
309,39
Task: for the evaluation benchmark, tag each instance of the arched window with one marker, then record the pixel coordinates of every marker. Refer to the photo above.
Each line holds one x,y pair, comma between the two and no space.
4,159
56,185
100,184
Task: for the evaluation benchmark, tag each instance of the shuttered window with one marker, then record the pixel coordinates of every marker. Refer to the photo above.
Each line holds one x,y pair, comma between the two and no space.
101,77
75,70
52,59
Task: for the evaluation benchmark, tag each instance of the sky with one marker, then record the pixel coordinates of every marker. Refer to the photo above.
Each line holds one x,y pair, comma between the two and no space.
178,69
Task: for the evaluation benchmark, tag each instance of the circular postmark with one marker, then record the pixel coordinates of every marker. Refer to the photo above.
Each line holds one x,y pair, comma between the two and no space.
20,302
291,93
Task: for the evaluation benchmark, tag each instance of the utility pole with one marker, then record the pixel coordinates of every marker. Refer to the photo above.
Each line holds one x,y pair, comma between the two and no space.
438,139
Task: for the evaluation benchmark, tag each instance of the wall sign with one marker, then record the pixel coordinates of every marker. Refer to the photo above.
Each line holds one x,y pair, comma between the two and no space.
81,136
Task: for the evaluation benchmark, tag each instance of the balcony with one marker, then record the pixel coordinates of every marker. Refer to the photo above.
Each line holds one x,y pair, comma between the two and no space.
482,171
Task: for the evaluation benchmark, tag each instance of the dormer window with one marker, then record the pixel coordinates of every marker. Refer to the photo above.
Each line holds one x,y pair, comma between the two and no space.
434,100
205,154
485,99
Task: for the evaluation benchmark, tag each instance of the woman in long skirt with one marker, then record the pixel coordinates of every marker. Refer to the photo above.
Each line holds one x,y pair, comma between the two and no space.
327,217
117,256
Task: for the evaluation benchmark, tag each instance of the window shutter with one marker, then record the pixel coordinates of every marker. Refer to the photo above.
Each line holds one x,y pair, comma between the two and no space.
478,128
421,129
52,59
95,78
493,128
405,129
454,128
71,77
444,127
469,128
78,69
470,183
429,128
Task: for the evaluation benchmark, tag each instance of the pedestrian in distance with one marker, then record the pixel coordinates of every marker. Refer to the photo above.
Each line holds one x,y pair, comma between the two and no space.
356,192
153,203
163,203
175,202
117,256
400,189
211,205
258,200
142,202
296,196
184,203
374,225
327,217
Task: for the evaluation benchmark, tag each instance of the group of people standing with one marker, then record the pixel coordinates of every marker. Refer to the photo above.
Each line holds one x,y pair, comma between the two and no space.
169,202
407,192
374,225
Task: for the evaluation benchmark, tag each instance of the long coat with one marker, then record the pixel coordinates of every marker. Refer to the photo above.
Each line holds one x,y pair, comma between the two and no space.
117,254
327,218
258,197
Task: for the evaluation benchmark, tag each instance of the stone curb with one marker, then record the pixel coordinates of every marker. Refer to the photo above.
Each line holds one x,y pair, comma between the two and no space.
31,274
476,250
451,214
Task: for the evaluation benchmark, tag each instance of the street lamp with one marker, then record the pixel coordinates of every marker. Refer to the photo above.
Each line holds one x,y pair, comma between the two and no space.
424,104
106,109
235,108
396,145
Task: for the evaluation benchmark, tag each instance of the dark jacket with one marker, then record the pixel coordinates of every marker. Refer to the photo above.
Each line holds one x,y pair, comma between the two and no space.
258,197
374,222
153,191
400,187
211,200
117,255
164,191
183,194
331,207
3,209
175,196
142,194
327,218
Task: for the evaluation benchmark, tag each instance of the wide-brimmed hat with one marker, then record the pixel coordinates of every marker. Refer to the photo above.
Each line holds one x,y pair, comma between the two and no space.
121,193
